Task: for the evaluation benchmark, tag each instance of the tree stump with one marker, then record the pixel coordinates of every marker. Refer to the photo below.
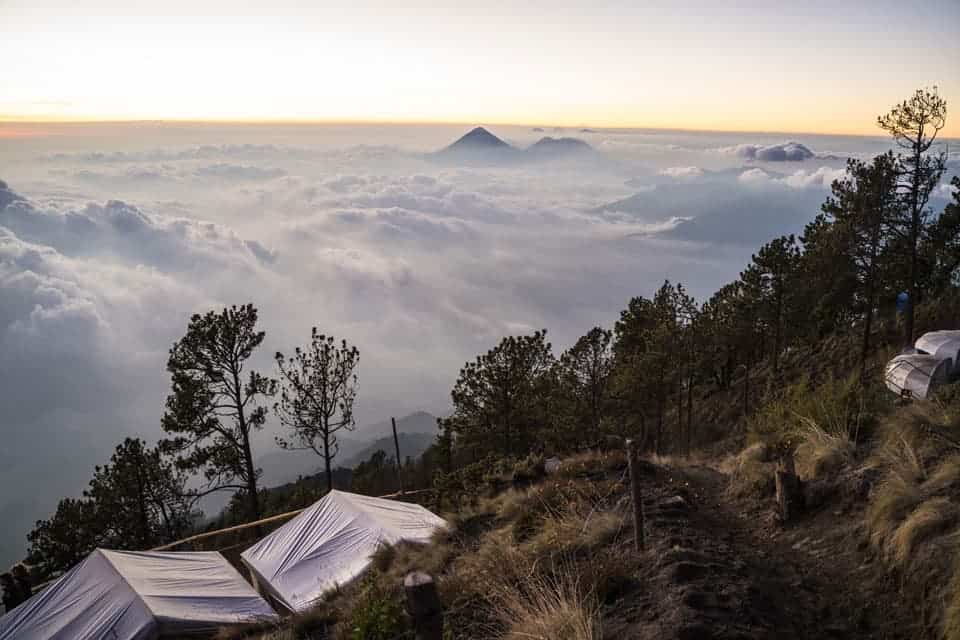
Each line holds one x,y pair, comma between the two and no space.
423,605
789,489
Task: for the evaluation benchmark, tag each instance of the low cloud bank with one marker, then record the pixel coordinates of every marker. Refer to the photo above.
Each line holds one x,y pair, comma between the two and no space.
784,152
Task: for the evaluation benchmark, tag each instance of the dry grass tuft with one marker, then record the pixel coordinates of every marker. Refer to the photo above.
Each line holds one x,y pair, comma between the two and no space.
931,518
945,477
751,472
898,494
822,452
573,532
589,463
549,608
951,630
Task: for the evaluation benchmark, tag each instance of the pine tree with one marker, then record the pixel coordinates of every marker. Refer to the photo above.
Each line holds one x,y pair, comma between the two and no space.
862,205
214,408
501,397
914,125
317,388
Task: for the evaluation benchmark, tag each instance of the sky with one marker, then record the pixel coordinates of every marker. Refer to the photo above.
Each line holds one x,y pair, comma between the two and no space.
816,66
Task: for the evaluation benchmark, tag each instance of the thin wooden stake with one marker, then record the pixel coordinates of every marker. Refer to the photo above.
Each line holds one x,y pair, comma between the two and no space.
396,444
637,496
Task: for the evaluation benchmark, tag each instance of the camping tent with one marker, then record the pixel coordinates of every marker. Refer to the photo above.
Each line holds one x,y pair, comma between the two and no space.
944,345
129,595
915,373
330,543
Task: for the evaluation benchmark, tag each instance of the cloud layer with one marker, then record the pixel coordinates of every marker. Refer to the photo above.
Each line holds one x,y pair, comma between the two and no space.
784,152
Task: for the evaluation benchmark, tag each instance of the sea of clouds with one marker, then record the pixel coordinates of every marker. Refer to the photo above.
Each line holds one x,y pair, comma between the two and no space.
111,236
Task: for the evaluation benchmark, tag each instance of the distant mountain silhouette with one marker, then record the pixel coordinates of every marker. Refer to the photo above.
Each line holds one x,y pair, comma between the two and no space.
7,195
411,446
285,466
479,137
548,147
479,146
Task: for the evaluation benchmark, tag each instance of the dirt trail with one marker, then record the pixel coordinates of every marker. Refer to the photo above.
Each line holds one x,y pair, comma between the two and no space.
721,568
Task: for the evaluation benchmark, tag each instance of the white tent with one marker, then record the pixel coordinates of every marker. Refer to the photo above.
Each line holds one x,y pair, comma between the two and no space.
331,543
915,373
944,345
129,595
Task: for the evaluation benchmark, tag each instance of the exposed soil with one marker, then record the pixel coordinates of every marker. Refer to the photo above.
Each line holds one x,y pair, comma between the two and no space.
726,569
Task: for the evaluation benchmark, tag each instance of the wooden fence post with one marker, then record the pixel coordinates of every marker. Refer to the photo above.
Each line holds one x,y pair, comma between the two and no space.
636,495
423,605
789,488
396,445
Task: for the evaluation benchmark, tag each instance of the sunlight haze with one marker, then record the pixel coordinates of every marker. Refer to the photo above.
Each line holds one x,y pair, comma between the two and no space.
694,65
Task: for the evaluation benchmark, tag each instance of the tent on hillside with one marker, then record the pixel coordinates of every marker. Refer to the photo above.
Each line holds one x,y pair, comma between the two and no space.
915,374
944,345
331,543
131,595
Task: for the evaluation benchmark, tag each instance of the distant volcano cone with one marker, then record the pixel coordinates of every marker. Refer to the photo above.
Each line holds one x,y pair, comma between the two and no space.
479,147
478,138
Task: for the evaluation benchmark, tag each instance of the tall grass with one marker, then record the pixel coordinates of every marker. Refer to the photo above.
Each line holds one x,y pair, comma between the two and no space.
550,608
951,627
826,418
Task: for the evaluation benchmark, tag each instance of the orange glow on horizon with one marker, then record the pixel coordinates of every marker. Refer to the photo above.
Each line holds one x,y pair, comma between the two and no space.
948,132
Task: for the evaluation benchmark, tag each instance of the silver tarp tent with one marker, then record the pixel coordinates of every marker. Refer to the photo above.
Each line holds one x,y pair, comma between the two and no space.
915,374
944,345
331,543
130,595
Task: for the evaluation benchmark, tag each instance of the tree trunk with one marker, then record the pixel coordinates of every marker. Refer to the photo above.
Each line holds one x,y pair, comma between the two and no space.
142,508
659,438
914,240
689,414
327,459
911,293
777,329
679,414
253,500
746,389
865,346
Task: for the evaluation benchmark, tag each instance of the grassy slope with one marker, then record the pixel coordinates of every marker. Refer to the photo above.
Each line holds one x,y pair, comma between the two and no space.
556,560
875,555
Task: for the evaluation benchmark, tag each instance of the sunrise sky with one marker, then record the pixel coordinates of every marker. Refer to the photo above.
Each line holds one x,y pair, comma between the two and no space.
756,66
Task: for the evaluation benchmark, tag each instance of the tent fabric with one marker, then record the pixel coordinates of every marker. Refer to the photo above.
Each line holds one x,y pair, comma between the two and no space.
331,543
944,345
128,595
918,374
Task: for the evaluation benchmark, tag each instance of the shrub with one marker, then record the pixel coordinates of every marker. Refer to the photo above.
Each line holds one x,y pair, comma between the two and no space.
840,408
376,613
